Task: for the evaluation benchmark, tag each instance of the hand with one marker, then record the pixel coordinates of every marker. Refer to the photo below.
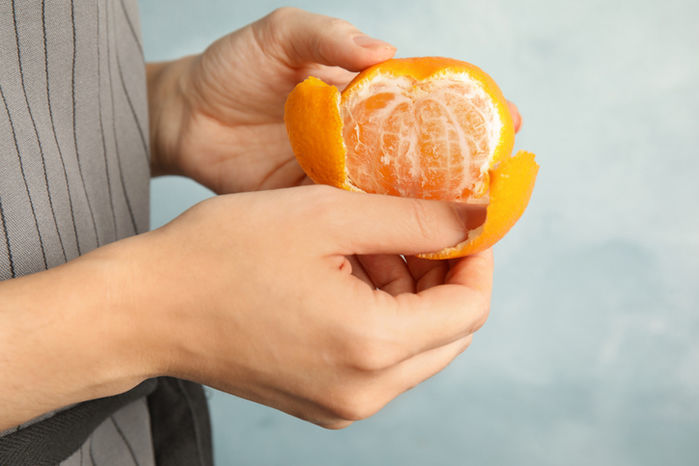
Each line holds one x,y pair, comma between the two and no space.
218,117
253,294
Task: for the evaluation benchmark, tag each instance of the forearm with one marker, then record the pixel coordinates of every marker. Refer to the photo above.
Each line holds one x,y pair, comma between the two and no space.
71,334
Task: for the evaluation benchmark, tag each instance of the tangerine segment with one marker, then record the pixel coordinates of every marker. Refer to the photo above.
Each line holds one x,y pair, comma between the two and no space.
469,96
511,186
429,139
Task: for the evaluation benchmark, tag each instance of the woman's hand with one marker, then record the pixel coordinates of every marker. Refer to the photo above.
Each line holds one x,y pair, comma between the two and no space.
218,117
259,299
258,294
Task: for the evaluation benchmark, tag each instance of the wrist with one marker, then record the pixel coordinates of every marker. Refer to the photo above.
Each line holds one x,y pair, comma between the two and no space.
167,109
162,300
123,315
70,334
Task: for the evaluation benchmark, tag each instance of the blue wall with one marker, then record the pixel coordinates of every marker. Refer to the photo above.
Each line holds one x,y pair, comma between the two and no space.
591,354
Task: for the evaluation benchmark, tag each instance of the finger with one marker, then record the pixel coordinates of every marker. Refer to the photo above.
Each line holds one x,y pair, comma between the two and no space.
475,271
305,38
359,223
389,273
427,273
359,272
442,314
383,385
372,389
516,117
375,388
421,367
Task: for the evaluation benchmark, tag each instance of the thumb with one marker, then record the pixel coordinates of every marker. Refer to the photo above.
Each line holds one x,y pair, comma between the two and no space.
359,223
306,38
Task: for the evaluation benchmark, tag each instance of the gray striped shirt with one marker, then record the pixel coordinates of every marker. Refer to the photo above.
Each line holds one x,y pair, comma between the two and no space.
74,168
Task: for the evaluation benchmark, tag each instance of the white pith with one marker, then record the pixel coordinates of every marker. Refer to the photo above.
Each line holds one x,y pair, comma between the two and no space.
433,91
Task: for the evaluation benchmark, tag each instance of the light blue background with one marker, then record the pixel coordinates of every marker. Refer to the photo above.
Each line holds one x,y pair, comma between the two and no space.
591,353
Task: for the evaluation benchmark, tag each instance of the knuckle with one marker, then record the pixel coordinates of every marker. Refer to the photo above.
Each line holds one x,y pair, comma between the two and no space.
326,40
336,424
372,356
281,15
352,404
271,32
371,344
482,315
337,24
466,343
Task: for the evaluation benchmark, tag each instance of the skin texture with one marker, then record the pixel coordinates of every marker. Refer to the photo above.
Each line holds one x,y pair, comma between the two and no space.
306,305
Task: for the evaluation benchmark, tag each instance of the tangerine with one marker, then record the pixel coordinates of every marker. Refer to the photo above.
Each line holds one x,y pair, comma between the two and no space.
429,128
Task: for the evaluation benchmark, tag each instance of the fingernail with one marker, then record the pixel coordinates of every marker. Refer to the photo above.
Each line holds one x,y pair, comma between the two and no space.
371,43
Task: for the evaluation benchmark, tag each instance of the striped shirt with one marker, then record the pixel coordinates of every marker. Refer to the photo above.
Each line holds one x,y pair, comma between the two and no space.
74,176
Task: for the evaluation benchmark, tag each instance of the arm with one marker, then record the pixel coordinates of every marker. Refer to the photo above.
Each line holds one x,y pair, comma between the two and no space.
266,309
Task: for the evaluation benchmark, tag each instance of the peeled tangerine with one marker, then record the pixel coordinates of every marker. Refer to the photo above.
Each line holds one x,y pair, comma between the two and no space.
430,128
